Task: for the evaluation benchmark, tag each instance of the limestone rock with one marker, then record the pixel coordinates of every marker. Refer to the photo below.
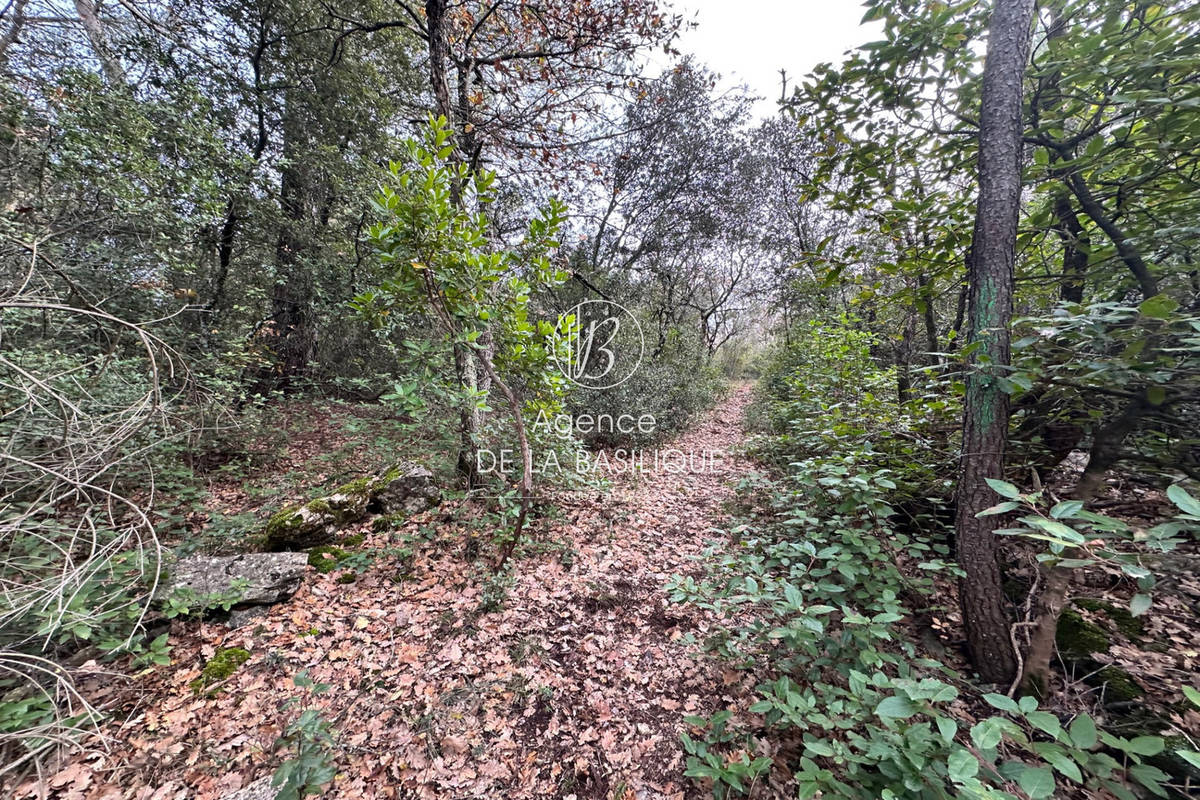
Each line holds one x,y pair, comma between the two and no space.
270,577
405,487
315,523
260,789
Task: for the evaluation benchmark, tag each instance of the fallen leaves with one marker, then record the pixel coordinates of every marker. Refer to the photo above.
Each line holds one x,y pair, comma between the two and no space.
576,685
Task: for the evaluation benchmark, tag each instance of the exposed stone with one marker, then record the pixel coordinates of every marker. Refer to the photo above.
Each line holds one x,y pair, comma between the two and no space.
260,789
316,522
405,487
269,577
241,617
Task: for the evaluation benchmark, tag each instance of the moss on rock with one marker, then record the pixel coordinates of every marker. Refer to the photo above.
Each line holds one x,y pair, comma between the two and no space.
1126,622
1077,638
355,540
359,486
222,665
326,558
1118,685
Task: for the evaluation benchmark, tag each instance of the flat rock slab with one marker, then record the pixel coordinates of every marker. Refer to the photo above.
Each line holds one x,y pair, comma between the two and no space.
270,577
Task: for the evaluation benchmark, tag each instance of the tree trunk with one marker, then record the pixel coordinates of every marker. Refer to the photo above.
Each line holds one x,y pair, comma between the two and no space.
97,36
1075,249
985,416
927,315
464,366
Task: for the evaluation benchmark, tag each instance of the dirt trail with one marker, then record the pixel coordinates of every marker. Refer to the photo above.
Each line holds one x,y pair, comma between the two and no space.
575,687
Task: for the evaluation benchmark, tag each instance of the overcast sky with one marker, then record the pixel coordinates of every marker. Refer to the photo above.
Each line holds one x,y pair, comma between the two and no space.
748,41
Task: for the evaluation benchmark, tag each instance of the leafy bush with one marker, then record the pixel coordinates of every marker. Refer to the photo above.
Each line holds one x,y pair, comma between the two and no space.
814,590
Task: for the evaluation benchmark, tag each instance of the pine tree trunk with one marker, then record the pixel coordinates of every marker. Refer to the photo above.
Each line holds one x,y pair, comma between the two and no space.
986,411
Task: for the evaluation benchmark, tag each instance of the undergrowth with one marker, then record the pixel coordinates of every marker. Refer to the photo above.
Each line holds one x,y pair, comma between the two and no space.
815,589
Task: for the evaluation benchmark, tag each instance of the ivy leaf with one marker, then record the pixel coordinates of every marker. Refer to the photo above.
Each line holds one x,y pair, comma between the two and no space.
1139,604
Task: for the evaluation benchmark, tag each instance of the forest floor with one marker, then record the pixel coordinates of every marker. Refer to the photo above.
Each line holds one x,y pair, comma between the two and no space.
570,680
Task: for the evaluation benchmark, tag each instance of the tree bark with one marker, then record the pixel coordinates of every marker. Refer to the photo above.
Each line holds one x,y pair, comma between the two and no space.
1075,250
97,36
465,373
990,274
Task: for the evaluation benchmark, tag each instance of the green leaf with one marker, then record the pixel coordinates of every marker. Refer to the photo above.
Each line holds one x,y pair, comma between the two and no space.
961,765
1036,782
1186,503
1003,488
1190,756
1000,508
1139,604
1158,307
1145,745
1045,721
947,728
1056,528
1083,732
1002,702
1057,758
987,734
1151,777
1066,509
896,707
1193,695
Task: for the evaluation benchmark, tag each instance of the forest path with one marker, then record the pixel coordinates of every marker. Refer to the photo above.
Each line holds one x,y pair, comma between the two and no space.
575,687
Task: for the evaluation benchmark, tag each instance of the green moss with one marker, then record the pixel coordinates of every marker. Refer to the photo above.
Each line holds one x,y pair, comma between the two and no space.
353,541
283,522
223,664
1077,638
349,577
357,486
387,522
1126,623
1118,684
326,558
319,506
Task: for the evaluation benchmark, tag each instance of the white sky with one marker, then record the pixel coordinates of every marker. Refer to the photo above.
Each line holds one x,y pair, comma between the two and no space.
748,41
